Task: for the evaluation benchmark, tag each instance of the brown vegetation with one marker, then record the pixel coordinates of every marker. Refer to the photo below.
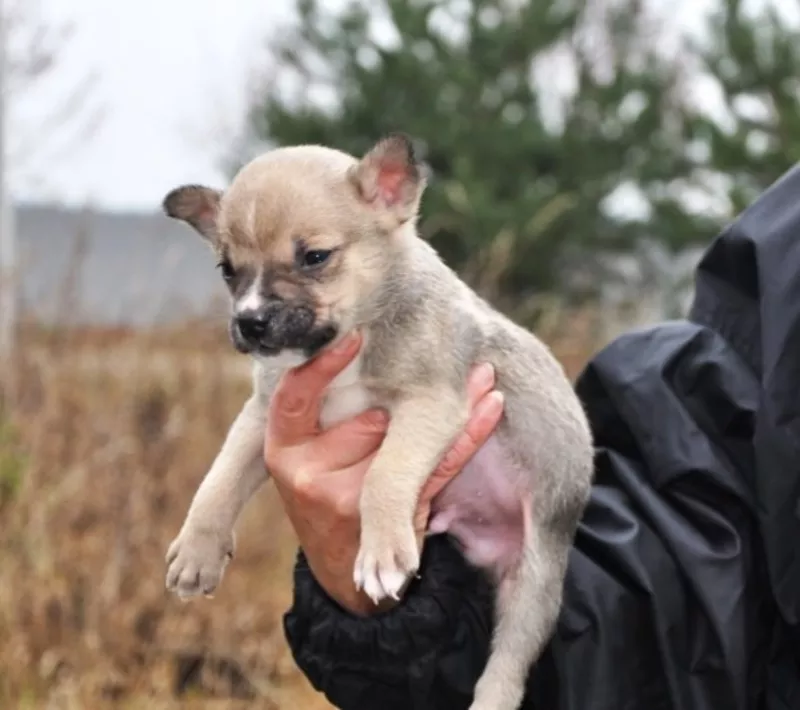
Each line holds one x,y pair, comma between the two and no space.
102,444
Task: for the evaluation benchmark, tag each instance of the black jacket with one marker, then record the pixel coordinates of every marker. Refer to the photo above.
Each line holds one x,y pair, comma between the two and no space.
683,591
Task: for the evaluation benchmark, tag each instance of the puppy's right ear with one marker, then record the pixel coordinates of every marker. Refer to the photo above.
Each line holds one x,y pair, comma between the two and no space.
196,205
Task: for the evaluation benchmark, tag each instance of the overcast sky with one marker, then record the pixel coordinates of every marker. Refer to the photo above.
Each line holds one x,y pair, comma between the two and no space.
170,72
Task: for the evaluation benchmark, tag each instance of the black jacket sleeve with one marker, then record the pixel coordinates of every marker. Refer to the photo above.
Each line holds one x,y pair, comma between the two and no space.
424,653
683,590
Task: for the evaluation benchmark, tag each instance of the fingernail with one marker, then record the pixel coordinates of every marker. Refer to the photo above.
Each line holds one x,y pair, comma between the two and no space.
485,374
497,399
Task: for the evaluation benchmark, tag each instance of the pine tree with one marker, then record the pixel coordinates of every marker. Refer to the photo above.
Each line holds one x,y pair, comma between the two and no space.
751,136
522,179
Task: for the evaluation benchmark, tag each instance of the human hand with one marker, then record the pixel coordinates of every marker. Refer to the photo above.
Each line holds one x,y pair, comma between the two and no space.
319,474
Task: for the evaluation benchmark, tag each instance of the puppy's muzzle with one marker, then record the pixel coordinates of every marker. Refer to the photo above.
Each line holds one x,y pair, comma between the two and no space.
275,326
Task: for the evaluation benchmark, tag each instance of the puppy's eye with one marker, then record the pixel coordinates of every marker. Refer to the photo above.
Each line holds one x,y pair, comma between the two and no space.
315,257
226,269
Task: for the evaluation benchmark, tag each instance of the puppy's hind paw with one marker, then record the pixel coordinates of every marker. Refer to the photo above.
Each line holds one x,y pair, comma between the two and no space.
498,694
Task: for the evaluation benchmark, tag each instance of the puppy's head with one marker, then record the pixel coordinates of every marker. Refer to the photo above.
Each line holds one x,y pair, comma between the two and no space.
302,235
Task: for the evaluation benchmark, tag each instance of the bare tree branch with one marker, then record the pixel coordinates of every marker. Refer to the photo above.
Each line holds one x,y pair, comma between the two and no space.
38,51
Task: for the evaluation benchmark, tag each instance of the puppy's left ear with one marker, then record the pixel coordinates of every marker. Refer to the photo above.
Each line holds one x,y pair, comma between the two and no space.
196,205
390,177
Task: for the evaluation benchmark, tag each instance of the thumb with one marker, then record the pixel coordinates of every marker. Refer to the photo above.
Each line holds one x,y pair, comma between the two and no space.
351,441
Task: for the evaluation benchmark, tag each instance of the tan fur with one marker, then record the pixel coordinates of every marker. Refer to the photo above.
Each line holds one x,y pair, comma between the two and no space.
423,330
288,192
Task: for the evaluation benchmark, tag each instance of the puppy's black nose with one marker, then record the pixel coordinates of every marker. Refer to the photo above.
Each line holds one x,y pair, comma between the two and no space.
252,325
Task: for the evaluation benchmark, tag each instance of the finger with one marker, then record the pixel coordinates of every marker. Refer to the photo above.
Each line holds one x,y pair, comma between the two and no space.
352,440
294,409
479,383
480,427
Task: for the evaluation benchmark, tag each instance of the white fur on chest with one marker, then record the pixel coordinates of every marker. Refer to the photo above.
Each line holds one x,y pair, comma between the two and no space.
346,396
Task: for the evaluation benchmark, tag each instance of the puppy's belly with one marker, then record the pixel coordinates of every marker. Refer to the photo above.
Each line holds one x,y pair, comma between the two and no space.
482,508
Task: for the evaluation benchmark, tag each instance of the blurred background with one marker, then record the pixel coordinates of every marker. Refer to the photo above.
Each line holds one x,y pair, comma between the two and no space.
584,152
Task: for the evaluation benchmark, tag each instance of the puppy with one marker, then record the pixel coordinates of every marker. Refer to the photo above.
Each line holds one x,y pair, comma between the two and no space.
314,243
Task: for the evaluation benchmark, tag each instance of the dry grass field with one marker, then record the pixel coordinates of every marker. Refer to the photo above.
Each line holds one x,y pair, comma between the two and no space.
103,441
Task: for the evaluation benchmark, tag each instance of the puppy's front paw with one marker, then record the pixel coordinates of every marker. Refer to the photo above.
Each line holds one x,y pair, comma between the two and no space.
387,559
196,561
